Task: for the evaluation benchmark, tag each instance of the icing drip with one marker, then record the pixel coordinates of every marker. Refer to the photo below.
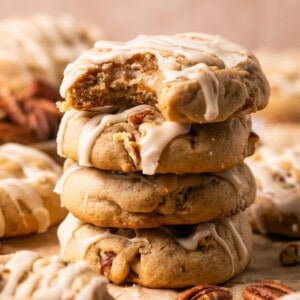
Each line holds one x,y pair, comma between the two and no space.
293,296
69,226
203,231
60,183
54,281
153,141
65,231
194,47
240,245
278,178
154,137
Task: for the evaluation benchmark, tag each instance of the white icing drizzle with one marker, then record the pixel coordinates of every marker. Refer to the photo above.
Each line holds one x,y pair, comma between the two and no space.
18,266
53,281
239,242
276,181
203,231
196,47
43,44
293,296
69,226
65,231
20,189
154,137
60,183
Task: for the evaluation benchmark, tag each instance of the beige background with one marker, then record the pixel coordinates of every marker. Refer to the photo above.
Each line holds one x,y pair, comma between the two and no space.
253,23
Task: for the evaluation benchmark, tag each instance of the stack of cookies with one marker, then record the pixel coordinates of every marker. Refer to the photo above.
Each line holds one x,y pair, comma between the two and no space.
155,132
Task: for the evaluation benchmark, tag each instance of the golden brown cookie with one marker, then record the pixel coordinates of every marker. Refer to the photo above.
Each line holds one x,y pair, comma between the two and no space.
282,69
27,275
27,201
190,77
130,200
140,139
277,205
165,257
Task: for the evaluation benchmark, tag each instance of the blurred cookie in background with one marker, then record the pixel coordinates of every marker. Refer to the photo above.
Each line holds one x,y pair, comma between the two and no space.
279,124
33,55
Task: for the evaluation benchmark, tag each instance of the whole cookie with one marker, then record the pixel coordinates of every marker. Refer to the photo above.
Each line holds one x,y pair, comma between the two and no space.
27,201
140,139
190,77
165,257
27,275
109,199
277,206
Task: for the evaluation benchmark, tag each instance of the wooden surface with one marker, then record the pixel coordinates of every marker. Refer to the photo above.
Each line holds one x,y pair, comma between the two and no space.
264,265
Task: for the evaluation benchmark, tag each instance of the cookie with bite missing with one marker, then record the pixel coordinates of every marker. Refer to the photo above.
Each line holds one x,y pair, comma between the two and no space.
27,275
276,208
141,139
133,200
27,201
189,77
164,257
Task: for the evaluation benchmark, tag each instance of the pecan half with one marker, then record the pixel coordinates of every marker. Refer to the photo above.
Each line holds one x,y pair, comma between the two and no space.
206,292
290,255
266,290
106,260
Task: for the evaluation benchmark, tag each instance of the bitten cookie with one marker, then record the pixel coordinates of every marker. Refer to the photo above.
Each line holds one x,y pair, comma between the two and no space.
190,77
27,275
165,257
109,199
277,205
140,139
27,201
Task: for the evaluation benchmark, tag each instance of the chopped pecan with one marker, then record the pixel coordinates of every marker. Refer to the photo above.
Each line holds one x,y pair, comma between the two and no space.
290,255
106,260
266,290
206,292
139,117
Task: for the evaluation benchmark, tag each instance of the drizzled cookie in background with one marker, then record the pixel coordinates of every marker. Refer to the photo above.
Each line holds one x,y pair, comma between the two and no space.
33,55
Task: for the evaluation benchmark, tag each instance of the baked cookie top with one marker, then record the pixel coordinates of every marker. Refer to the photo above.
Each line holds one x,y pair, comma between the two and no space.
190,77
278,181
27,201
27,275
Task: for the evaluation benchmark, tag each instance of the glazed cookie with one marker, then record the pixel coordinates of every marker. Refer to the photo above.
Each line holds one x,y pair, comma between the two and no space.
277,205
27,275
33,54
130,200
276,134
165,257
140,139
282,69
27,201
190,77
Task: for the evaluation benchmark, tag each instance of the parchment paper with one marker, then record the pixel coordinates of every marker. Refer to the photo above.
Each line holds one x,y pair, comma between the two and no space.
265,265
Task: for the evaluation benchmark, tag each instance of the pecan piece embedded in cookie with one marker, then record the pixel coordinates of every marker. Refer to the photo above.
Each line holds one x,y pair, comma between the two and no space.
206,292
106,260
